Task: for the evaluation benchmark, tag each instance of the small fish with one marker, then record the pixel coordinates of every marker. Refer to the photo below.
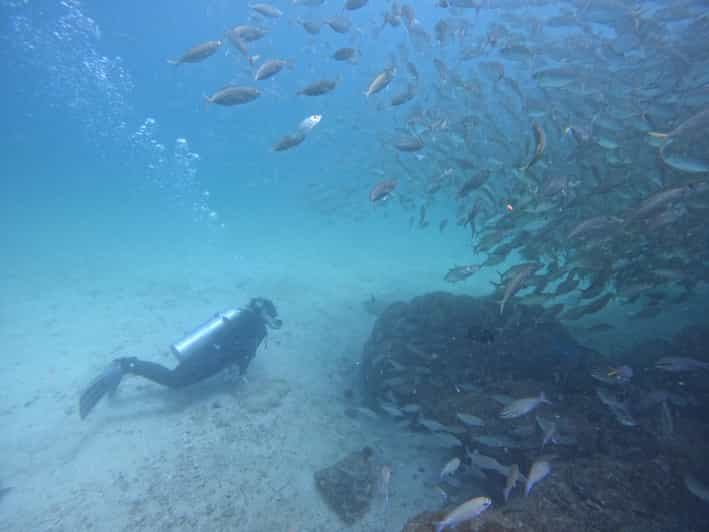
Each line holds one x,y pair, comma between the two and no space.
619,375
404,96
392,410
345,54
461,273
679,364
524,406
233,95
382,190
539,470
487,463
450,468
617,407
289,141
411,408
595,225
197,53
355,4
339,24
318,88
311,26
432,425
445,439
266,10
381,81
696,488
269,68
516,284
465,512
241,34
549,430
541,141
307,124
367,412
471,421
408,143
554,77
511,481
384,479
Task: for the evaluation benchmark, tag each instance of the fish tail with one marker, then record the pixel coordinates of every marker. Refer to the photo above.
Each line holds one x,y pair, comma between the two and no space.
173,62
207,101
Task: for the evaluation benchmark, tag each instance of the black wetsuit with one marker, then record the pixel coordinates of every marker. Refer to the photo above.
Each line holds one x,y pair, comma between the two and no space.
236,344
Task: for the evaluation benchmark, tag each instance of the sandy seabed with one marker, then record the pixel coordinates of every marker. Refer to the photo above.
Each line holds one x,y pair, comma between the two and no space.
227,454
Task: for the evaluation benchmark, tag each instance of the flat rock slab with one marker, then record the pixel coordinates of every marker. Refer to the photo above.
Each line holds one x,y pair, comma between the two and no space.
349,485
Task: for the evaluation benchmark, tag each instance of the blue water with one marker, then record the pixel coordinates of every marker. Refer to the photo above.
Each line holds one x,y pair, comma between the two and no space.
129,212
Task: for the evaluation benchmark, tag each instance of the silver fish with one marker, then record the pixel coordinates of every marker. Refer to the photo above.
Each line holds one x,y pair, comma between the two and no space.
469,420
266,10
617,407
539,470
516,284
269,68
233,95
392,410
197,53
465,512
511,481
381,81
665,196
679,364
554,77
450,468
521,407
696,488
461,273
318,88
549,430
487,463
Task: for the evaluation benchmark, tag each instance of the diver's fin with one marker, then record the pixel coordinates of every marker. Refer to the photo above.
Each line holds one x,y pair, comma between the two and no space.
106,382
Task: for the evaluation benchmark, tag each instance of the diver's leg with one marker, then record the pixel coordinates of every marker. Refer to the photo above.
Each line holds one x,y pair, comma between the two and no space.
189,371
151,371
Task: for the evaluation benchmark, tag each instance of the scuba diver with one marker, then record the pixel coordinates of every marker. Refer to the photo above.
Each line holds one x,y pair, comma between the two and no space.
231,337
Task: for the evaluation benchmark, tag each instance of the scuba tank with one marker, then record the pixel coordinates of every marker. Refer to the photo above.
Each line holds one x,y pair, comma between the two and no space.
206,335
